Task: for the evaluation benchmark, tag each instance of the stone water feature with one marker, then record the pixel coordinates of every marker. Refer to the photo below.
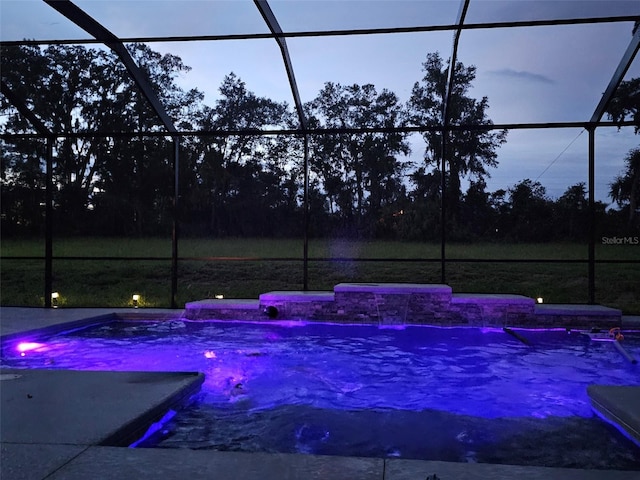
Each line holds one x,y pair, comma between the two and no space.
405,304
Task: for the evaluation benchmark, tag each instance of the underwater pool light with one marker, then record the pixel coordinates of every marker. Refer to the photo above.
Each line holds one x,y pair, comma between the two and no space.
24,347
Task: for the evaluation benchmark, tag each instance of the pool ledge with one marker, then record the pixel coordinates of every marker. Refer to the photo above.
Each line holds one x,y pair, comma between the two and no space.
223,304
577,316
584,310
297,296
393,288
88,407
619,405
223,309
492,298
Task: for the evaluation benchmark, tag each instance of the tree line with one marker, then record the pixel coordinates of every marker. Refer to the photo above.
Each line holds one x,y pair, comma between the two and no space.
359,184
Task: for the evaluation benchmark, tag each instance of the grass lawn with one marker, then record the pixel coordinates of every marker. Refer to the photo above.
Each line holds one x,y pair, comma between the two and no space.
244,268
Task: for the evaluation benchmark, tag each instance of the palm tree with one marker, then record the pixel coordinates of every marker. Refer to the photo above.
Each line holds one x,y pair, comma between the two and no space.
625,189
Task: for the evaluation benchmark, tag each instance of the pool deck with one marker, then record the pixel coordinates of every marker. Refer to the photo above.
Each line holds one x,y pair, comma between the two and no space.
55,424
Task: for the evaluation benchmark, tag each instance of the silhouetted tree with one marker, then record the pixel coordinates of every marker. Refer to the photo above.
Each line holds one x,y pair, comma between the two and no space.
529,212
477,217
626,103
572,209
77,90
239,178
361,173
421,218
470,153
625,189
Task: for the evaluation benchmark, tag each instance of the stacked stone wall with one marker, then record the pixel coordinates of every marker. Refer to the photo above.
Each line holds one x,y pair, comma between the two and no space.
405,304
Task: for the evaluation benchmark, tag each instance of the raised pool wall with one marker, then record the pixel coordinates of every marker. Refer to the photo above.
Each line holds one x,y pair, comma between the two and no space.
405,304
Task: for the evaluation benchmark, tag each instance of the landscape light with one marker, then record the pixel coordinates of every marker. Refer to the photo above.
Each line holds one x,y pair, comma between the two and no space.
539,300
54,299
219,296
136,300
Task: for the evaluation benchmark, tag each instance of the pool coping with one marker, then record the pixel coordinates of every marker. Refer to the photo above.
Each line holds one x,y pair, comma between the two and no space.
303,296
573,309
80,461
35,410
393,288
489,298
619,405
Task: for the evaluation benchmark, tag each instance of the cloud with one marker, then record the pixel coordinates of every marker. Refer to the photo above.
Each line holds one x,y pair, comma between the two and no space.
522,74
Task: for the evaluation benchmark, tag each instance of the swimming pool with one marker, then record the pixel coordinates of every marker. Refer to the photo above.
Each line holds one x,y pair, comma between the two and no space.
455,394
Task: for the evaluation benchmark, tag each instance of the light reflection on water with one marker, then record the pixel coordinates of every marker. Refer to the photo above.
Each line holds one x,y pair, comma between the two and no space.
362,390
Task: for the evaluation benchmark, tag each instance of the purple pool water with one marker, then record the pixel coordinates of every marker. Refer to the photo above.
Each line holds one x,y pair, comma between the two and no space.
456,394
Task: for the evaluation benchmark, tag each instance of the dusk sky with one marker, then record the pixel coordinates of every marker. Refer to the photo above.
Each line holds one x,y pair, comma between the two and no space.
529,74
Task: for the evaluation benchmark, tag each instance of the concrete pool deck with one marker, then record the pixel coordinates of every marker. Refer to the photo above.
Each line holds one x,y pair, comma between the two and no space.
63,439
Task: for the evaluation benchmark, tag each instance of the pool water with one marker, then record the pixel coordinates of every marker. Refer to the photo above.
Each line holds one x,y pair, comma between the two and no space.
452,394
